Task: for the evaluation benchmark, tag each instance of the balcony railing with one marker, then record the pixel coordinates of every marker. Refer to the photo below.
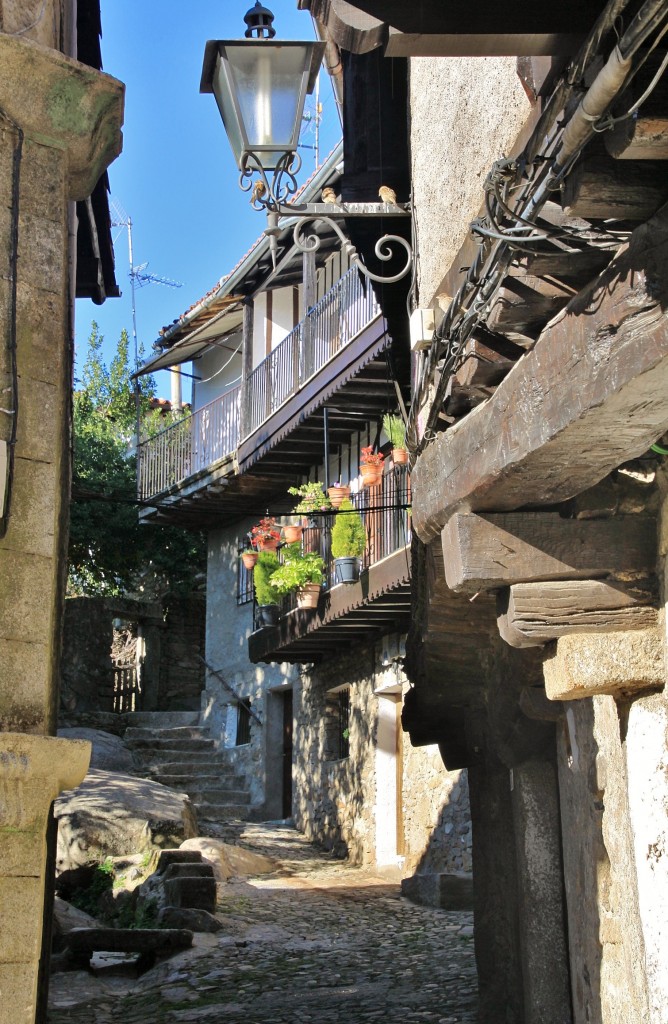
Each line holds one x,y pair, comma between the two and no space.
385,512
197,441
192,444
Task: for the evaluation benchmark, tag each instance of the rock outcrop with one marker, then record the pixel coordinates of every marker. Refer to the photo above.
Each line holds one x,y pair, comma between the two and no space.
112,814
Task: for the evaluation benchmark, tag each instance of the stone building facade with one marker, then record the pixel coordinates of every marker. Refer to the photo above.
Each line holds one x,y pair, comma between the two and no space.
537,653
60,125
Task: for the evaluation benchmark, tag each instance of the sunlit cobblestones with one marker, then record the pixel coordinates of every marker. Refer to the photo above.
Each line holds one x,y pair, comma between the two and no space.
318,941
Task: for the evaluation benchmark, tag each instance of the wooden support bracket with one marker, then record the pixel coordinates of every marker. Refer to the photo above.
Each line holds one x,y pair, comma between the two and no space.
531,614
485,552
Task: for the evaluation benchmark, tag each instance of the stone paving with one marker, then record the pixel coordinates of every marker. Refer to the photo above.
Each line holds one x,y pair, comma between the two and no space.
317,941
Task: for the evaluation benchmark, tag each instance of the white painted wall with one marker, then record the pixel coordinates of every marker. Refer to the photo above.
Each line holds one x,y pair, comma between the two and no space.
219,369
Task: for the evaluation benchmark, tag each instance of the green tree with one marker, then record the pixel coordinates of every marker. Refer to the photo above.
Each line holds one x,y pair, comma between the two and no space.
109,552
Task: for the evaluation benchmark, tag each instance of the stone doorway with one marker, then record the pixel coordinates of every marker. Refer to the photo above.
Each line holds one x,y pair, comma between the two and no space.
389,823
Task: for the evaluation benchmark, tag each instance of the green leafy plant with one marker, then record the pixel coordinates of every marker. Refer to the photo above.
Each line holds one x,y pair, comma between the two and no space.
297,570
266,565
313,498
348,533
395,428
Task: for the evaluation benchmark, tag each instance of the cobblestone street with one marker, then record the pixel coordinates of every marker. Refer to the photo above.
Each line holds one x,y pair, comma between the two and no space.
316,941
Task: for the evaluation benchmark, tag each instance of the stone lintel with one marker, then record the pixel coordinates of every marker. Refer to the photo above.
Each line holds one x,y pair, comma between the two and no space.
65,105
617,664
591,395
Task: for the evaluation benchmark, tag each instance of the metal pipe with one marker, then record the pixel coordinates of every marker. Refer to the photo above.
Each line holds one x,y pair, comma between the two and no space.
325,419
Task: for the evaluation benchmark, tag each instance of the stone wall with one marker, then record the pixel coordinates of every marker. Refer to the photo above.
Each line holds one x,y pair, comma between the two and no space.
173,637
345,804
182,642
228,626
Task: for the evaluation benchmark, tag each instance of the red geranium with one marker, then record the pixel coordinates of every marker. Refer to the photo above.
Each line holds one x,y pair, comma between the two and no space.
368,458
265,530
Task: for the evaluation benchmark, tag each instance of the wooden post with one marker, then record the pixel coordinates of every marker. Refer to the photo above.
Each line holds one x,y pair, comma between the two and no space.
246,368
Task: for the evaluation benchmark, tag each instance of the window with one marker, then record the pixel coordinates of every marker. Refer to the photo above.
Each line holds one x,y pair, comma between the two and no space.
243,723
244,578
337,724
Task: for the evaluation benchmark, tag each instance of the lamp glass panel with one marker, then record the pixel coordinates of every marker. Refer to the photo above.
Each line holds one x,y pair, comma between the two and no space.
270,86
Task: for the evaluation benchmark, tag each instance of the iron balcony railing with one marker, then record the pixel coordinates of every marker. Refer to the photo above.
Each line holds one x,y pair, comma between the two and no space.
197,441
385,512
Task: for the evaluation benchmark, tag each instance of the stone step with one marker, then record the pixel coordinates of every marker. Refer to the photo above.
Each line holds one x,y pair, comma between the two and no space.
180,732
216,812
150,757
161,719
219,798
195,779
200,743
211,765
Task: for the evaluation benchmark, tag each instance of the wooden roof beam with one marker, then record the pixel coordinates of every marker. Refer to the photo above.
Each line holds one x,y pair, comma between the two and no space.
592,394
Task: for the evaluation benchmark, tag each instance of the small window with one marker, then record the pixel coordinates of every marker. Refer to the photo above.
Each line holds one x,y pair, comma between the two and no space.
244,579
337,724
243,724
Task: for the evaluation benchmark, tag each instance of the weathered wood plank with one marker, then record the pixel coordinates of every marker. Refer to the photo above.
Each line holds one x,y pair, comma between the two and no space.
532,614
486,552
599,187
591,395
642,138
522,306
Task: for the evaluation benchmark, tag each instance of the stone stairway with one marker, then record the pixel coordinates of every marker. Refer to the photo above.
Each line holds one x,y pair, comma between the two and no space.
174,750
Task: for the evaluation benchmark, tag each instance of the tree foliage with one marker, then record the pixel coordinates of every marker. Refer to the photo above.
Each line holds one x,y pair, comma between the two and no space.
109,552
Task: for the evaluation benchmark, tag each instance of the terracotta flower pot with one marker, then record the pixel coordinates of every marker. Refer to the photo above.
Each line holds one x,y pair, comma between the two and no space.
249,558
269,544
307,596
371,475
400,456
292,534
338,494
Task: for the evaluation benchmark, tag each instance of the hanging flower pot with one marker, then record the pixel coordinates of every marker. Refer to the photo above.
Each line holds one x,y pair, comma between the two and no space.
267,614
400,456
292,534
249,558
338,493
346,570
371,475
267,544
307,596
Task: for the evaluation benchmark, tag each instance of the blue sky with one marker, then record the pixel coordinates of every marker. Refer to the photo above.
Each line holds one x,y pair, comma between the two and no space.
176,177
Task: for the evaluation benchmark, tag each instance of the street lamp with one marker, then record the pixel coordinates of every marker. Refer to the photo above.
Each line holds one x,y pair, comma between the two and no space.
260,85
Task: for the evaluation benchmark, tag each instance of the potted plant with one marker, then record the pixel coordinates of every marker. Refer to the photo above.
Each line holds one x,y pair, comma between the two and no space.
371,466
249,557
312,498
292,534
395,428
303,573
266,595
348,543
337,493
265,536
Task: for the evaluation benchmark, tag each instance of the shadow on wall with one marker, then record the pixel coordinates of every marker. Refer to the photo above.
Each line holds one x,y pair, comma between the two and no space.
449,845
334,796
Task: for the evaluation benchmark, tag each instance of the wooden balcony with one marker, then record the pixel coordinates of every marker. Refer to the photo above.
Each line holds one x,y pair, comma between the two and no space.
258,437
380,602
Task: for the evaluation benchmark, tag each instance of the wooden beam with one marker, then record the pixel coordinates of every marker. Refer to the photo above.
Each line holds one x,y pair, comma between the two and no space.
592,394
601,188
532,614
486,552
641,138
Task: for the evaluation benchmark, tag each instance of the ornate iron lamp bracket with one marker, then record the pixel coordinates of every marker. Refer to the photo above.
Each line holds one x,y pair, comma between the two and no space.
275,198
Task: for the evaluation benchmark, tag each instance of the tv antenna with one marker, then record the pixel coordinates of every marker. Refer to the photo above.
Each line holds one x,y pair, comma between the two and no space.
139,275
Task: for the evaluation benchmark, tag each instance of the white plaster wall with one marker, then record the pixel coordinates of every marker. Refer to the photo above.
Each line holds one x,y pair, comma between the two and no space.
259,328
465,114
282,314
214,379
647,765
